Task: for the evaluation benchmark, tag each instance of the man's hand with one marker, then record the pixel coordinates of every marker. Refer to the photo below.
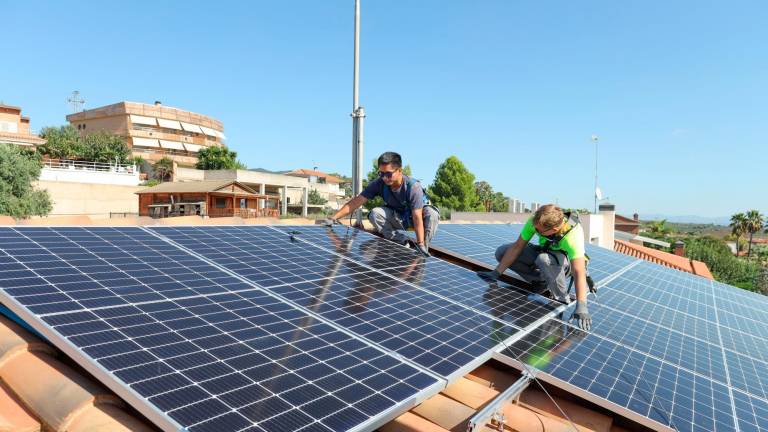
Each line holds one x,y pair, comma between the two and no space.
489,276
330,222
582,317
422,249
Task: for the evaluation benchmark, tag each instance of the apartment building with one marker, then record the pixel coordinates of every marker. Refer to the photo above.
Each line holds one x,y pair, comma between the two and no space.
14,128
154,130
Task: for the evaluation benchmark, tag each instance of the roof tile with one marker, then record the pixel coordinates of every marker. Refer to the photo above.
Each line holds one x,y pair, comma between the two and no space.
13,416
663,258
51,389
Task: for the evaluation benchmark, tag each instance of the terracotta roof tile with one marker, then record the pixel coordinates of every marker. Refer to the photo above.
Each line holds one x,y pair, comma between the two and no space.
663,258
14,417
308,172
56,395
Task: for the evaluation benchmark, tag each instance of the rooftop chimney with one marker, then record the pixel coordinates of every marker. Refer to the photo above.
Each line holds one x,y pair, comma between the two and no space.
608,213
678,248
636,217
158,103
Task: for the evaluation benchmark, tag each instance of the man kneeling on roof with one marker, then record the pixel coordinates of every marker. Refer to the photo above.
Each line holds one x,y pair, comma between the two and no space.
560,253
406,205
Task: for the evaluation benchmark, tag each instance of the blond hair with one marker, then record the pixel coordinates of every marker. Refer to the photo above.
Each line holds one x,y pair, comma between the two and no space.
549,216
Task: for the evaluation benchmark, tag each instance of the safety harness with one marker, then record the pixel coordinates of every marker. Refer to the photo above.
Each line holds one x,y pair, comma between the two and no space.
405,204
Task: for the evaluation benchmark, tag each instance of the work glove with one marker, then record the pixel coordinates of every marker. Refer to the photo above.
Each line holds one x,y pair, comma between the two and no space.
582,317
330,222
489,276
422,249
591,285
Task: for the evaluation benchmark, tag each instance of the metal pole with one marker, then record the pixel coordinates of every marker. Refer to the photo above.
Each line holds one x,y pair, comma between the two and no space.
594,139
358,114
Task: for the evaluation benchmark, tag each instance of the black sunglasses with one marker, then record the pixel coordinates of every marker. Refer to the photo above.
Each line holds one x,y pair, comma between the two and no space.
386,174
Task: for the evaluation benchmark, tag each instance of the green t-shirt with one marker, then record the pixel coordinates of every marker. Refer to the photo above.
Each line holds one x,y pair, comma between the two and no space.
572,244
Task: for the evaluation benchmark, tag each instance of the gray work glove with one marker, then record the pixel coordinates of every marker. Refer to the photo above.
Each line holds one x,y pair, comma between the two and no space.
582,317
330,222
422,249
489,276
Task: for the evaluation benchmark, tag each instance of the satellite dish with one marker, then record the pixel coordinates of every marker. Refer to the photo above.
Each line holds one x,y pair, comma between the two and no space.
598,193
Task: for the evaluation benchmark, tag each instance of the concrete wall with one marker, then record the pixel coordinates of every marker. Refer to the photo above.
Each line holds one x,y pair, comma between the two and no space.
483,217
94,200
86,176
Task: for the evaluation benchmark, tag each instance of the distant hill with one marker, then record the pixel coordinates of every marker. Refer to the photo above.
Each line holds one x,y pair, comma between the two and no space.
692,219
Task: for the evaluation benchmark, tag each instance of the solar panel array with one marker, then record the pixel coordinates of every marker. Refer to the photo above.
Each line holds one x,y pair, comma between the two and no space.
205,349
257,328
666,347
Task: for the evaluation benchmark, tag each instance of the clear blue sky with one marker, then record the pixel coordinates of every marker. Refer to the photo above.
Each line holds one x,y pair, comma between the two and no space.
677,91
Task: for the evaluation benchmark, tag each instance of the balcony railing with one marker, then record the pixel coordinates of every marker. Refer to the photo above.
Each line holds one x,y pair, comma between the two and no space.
72,165
246,213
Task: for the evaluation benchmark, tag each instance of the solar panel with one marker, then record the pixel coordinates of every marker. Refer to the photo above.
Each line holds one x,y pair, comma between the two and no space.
191,346
642,387
684,335
513,305
436,333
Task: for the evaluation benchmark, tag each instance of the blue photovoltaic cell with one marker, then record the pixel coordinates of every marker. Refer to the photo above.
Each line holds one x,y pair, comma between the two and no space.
437,334
205,349
710,331
651,388
511,304
751,413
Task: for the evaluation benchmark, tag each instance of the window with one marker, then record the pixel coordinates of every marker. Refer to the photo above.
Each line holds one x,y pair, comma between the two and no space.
221,202
242,203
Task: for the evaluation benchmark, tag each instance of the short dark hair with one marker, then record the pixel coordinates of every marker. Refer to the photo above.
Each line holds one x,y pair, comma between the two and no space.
391,158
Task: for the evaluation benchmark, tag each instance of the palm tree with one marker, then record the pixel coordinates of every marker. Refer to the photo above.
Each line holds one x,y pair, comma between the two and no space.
754,224
738,228
163,168
659,228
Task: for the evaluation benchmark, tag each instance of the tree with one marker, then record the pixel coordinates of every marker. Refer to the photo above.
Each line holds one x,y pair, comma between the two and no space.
17,196
104,146
454,186
754,223
373,174
500,203
484,193
314,198
62,142
738,228
138,161
65,142
724,266
659,228
162,169
216,158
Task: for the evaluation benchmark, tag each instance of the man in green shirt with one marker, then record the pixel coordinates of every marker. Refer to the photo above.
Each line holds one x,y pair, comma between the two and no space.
560,252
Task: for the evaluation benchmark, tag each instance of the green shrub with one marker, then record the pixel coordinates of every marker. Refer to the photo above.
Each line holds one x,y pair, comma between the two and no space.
724,266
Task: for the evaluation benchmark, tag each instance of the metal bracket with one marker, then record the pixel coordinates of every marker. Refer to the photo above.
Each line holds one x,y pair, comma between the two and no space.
481,418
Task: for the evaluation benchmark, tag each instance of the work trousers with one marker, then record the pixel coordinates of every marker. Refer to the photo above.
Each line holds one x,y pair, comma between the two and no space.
388,223
535,264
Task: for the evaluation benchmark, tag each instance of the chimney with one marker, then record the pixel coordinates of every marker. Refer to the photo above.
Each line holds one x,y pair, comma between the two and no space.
608,212
678,248
636,217
158,103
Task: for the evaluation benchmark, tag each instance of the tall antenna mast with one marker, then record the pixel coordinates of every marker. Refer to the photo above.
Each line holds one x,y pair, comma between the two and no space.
358,118
76,101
